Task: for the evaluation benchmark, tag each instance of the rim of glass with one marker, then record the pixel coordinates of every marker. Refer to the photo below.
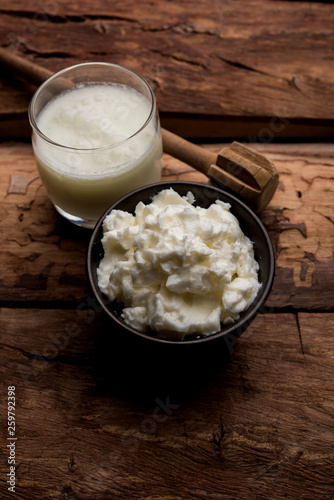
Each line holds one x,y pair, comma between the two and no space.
100,148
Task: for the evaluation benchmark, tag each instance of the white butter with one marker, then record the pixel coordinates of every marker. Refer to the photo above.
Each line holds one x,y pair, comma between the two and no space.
178,269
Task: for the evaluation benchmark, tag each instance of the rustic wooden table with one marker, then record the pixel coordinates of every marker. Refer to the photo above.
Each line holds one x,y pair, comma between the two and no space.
99,419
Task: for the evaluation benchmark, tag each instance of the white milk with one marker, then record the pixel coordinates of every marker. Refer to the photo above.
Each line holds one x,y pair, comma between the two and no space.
100,161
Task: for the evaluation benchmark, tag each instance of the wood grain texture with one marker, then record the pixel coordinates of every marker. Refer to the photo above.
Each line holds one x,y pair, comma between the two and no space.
43,256
234,59
101,415
99,419
300,222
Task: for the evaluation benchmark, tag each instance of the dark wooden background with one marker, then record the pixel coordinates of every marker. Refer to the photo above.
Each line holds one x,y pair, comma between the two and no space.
100,416
218,68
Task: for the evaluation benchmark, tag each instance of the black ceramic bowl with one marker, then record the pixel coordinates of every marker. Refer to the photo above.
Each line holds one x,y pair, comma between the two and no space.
204,195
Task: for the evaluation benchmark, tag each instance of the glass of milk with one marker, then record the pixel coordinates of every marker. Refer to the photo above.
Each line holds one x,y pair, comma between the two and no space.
96,136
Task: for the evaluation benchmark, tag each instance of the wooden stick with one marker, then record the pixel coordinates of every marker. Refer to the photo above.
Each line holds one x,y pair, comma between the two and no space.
243,171
199,158
21,67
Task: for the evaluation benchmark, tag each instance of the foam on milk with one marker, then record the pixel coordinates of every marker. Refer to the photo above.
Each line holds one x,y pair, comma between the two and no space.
103,140
91,117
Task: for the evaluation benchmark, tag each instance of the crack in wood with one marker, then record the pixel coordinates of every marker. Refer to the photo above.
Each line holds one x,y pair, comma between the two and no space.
300,335
49,55
303,270
14,348
290,81
40,357
186,29
239,65
181,59
45,55
162,29
22,14
218,437
311,181
65,18
72,465
325,216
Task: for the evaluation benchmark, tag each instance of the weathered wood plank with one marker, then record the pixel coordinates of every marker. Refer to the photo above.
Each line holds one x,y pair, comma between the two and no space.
242,59
92,421
43,256
300,222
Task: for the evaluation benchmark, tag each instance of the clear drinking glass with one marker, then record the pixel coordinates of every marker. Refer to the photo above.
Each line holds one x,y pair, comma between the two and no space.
96,136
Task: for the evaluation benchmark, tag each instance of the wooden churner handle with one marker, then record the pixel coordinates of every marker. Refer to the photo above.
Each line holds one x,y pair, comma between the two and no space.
240,169
243,171
19,66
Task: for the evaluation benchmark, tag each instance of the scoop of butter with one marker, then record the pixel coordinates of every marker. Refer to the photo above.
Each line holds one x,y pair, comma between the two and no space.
179,269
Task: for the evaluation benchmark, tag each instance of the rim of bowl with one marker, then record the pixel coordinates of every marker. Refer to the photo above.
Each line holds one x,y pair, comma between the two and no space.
239,325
